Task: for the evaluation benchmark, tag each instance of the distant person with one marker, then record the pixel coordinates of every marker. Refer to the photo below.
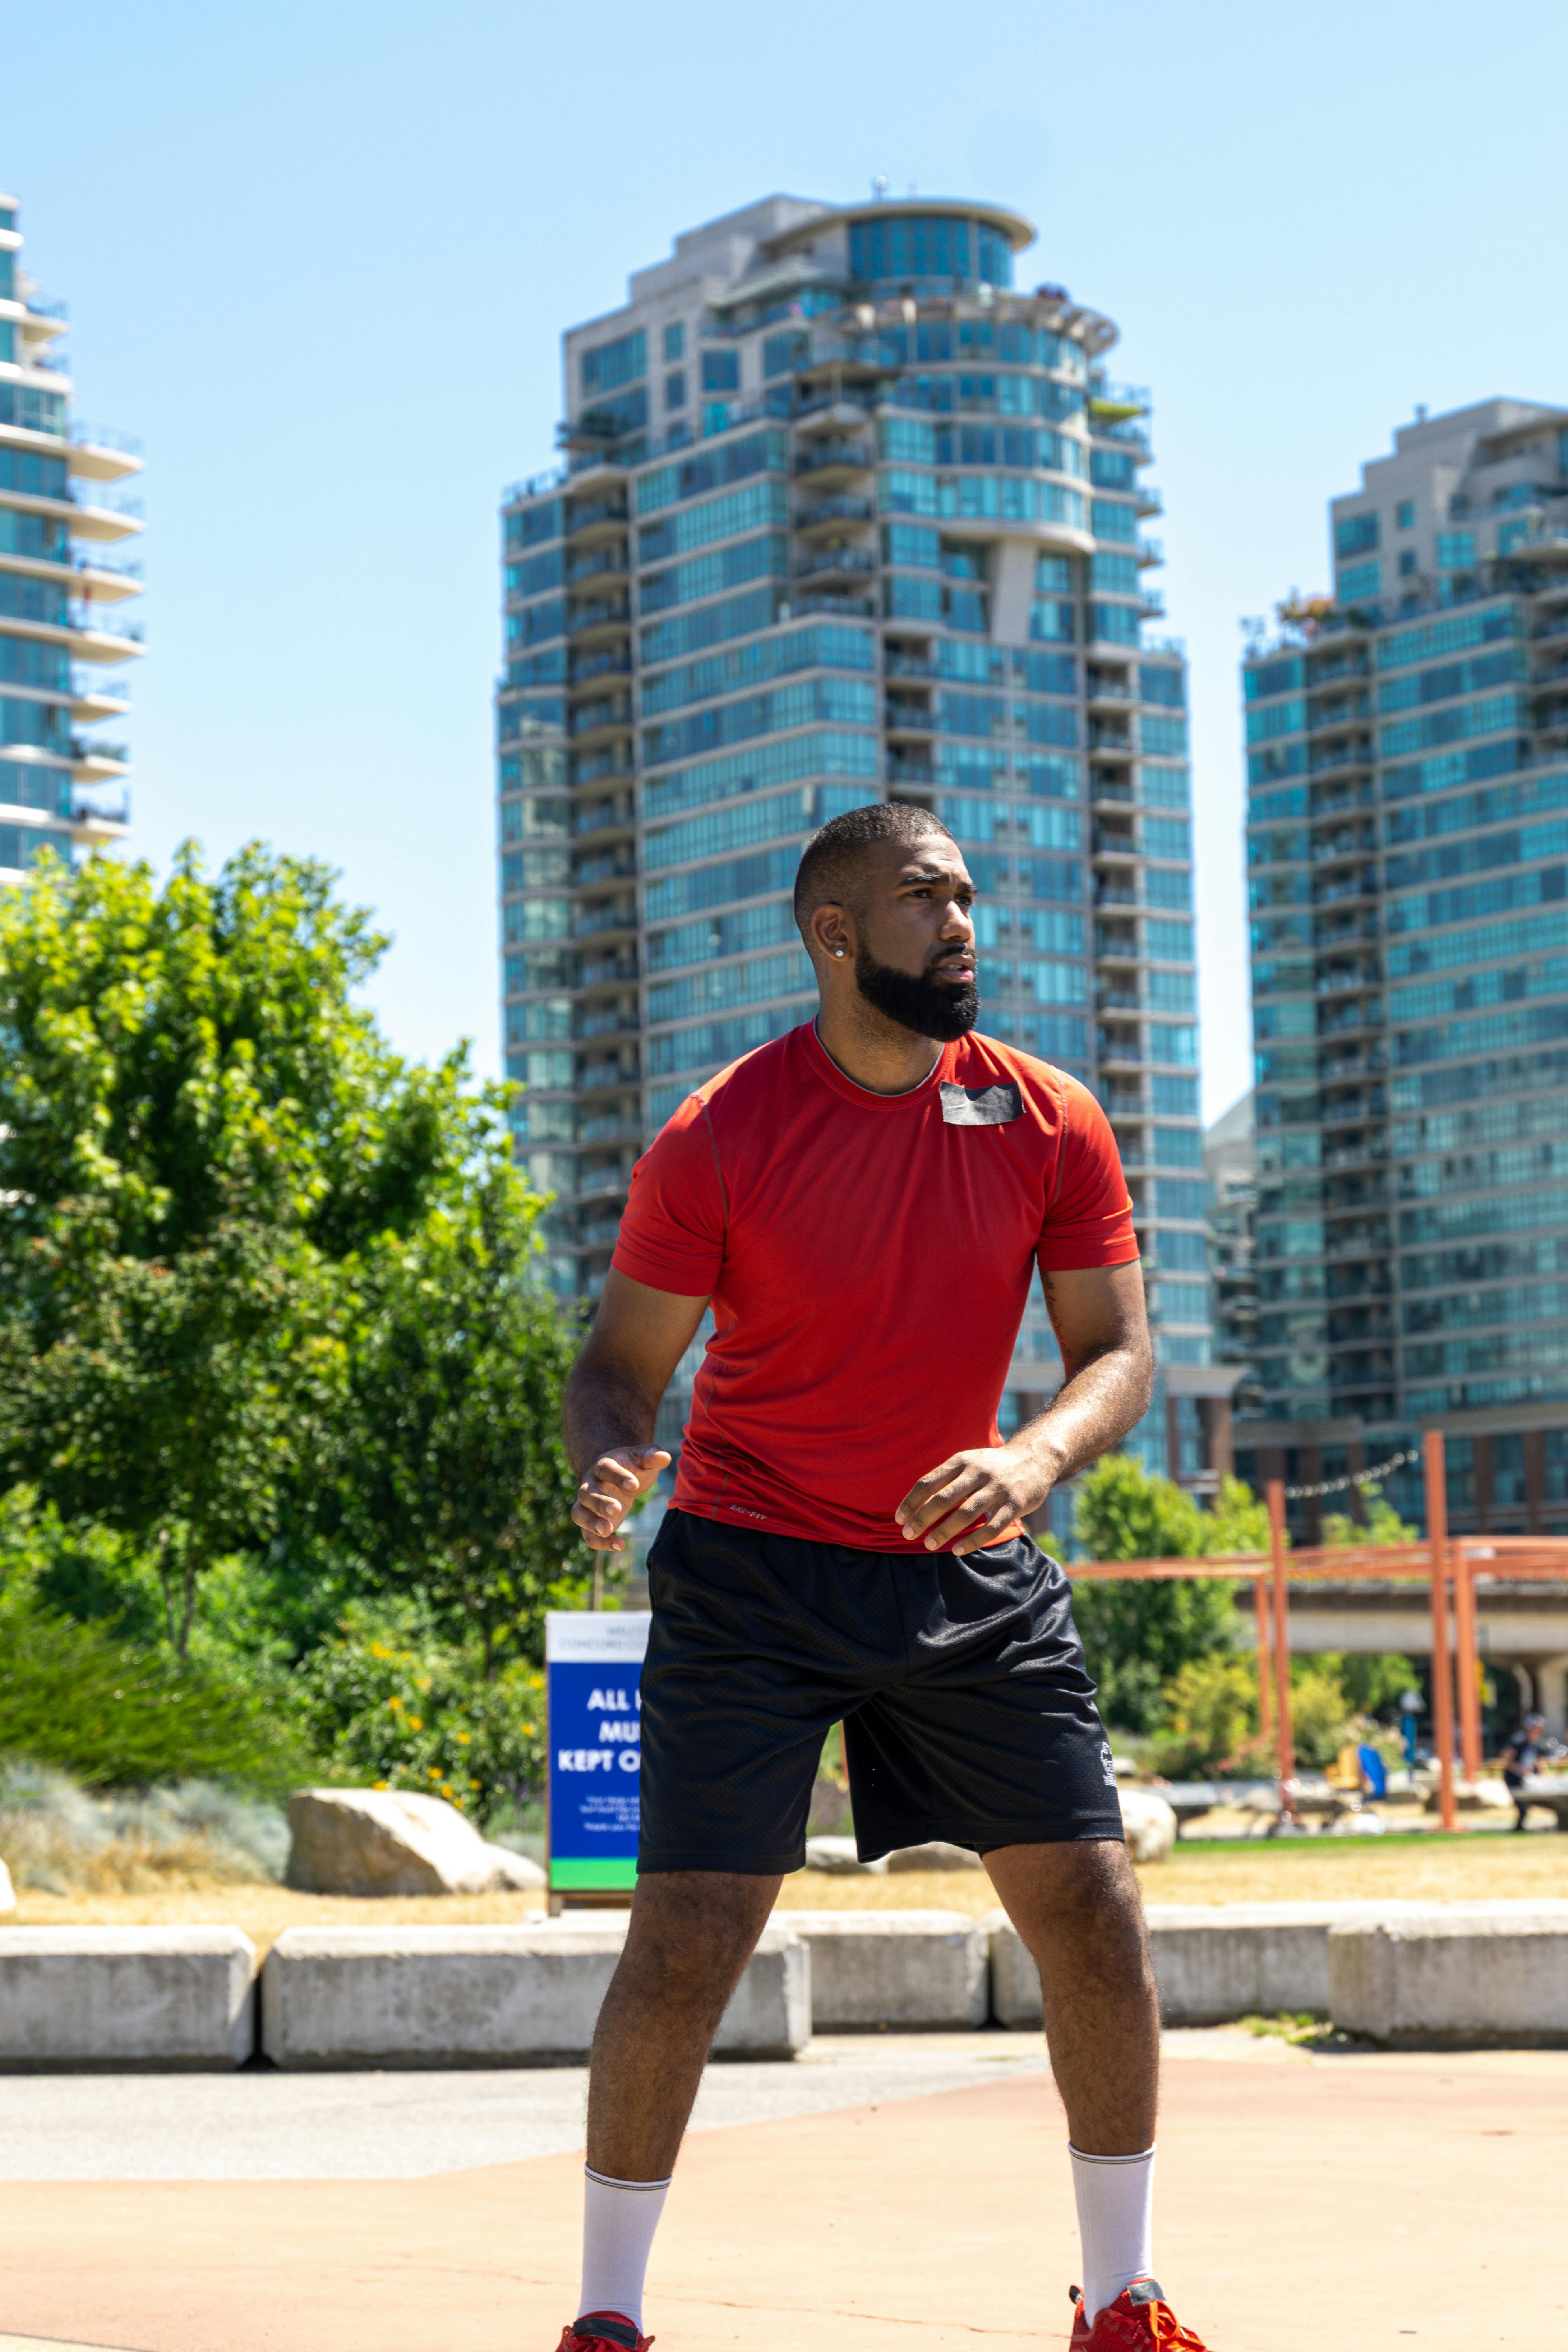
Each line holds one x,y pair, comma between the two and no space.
863,1202
1521,1762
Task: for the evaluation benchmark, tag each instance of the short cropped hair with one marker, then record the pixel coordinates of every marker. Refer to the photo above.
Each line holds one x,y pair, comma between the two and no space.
826,874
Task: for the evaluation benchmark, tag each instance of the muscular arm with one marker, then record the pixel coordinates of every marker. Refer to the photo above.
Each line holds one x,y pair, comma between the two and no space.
1097,1313
612,1401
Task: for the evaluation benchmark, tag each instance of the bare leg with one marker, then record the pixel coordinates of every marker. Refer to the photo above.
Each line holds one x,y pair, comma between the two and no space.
1077,1908
691,1934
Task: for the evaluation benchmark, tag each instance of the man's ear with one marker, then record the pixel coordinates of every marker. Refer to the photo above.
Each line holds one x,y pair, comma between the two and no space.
833,933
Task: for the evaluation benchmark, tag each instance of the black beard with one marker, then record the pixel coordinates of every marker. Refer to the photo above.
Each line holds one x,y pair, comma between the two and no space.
917,1003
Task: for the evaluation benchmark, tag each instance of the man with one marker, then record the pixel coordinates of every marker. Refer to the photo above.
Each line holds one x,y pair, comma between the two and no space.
1521,1761
863,1204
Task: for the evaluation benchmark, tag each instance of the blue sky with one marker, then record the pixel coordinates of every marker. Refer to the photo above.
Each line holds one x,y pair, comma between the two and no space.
320,257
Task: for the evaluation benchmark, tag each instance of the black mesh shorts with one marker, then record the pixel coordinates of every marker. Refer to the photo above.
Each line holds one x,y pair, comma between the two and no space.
968,1712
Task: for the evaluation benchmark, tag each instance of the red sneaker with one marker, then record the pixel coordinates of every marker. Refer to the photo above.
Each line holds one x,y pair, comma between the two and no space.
606,2331
1139,2321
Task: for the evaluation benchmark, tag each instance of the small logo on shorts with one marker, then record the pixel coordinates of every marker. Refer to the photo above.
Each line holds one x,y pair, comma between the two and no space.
1107,1764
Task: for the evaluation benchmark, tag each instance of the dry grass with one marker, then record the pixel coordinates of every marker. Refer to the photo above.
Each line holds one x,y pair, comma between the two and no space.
1470,1867
262,1911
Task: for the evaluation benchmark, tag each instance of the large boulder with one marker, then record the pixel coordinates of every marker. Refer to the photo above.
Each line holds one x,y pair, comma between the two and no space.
1148,1823
841,1858
937,1855
391,1841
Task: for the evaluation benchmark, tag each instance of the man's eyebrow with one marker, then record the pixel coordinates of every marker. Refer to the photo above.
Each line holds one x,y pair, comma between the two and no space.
935,874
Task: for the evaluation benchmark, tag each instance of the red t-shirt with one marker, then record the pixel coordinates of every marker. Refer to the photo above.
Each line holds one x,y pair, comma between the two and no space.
869,1259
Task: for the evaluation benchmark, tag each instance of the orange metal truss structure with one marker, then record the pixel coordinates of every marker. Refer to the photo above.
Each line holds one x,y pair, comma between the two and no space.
1448,1565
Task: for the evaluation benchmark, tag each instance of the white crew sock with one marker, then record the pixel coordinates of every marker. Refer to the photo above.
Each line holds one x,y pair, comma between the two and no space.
1115,2212
619,2217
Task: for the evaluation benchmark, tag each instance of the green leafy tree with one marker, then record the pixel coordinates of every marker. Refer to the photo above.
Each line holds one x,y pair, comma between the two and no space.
1137,1636
457,1471
1382,1524
210,1161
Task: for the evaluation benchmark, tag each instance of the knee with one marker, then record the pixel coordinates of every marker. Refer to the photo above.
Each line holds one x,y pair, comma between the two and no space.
689,1946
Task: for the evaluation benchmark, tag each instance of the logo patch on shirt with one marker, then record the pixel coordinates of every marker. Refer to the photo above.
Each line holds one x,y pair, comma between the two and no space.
981,1106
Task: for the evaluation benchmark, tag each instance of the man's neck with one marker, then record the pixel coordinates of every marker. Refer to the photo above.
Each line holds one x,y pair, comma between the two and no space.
875,1052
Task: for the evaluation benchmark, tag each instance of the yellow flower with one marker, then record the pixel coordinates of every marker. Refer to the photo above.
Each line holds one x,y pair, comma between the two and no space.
462,1739
381,1784
394,1703
435,1771
416,1723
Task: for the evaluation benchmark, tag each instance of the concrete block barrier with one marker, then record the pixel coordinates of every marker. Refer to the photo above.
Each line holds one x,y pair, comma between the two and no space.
1454,1974
920,1971
429,1997
1211,1962
125,1999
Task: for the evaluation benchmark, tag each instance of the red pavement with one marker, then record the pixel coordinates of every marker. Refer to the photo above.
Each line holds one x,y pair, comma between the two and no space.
1336,2206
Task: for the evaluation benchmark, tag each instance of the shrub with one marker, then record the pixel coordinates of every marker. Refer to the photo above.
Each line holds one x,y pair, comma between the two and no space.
389,1704
1211,1718
55,1837
1137,1636
75,1698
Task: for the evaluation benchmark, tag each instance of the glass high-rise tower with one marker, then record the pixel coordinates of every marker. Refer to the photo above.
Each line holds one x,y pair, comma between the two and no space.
64,642
1408,847
845,514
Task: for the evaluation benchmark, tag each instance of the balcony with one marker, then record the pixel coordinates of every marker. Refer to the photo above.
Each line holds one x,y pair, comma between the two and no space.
909,665
827,459
1104,792
93,761
905,718
592,718
862,608
607,971
613,661
1358,886
605,1021
610,1127
1112,842
606,562
600,1233
596,767
588,921
600,1075
612,613
1117,403
1126,436
834,407
1109,742
594,514
602,816
614,866
836,563
909,772
827,512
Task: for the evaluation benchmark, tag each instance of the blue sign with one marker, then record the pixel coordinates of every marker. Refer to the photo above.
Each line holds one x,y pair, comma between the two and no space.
593,1664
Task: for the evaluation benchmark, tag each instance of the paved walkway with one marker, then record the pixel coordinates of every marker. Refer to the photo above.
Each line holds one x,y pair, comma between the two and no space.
1322,2205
